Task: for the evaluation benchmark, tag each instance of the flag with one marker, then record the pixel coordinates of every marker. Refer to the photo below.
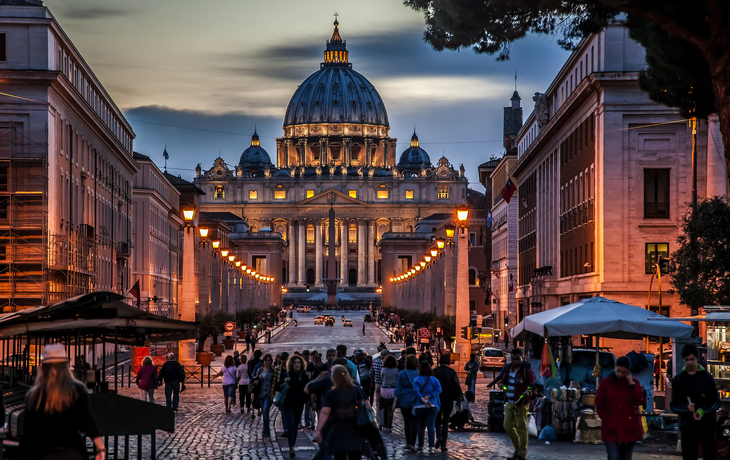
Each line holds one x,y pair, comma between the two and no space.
508,190
489,219
135,292
511,283
547,363
165,154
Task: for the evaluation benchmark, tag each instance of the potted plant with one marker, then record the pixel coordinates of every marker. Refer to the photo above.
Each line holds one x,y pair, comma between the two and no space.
229,342
206,328
220,318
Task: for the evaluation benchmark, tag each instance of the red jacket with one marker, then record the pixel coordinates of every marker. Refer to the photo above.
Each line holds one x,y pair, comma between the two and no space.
617,404
147,377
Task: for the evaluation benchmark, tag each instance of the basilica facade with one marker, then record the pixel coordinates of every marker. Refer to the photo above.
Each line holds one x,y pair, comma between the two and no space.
336,151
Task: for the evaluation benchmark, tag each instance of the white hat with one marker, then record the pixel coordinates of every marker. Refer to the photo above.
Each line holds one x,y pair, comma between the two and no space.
55,353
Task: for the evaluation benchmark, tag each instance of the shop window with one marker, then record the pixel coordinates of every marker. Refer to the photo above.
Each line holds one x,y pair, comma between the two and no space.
383,194
310,193
352,193
352,231
654,250
656,194
253,194
220,192
409,194
310,233
443,192
280,194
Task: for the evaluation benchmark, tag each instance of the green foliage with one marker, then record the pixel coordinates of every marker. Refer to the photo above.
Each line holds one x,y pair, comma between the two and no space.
211,324
700,269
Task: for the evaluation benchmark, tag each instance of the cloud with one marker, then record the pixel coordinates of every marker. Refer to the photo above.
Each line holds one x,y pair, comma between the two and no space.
96,12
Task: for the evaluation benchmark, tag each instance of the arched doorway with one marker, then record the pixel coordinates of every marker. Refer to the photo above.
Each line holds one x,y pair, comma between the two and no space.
310,276
352,277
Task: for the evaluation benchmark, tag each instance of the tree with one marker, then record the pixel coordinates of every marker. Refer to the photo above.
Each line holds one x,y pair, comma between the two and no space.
700,269
699,31
211,324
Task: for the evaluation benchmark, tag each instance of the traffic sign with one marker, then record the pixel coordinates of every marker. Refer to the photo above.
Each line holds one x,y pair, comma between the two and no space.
425,333
230,326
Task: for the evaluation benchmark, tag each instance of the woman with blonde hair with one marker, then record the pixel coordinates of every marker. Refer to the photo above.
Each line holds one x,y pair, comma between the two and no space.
57,412
147,380
339,417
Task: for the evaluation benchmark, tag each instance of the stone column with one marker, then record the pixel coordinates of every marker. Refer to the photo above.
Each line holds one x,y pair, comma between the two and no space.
215,273
302,249
187,299
291,239
344,252
716,171
361,237
371,253
317,252
225,285
463,347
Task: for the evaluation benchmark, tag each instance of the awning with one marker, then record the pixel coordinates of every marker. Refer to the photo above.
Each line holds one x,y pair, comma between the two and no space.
96,315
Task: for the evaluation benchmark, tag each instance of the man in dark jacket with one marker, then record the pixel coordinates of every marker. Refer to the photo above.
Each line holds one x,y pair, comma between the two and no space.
172,373
450,392
517,379
695,400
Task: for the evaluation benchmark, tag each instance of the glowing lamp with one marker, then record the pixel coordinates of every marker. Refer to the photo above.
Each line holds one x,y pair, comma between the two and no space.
203,232
450,229
243,267
440,242
216,244
224,252
231,258
238,263
188,214
423,264
427,259
462,213
418,267
434,253
248,271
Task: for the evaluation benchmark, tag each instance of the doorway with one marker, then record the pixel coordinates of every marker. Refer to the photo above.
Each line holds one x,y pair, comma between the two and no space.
352,277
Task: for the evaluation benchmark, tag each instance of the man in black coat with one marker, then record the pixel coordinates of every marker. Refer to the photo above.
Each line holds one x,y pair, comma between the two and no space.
173,374
450,392
695,400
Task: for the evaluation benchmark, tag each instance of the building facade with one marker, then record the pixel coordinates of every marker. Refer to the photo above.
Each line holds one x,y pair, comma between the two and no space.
604,180
335,152
66,168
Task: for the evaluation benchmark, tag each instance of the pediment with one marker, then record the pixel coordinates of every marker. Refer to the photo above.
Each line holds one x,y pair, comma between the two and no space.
326,197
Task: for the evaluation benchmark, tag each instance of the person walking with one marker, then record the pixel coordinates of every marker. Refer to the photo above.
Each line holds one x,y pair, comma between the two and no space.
471,368
427,405
450,392
296,378
617,403
264,378
406,395
517,379
337,429
278,382
230,378
236,358
695,400
147,380
254,340
244,390
57,412
389,380
173,374
376,373
247,340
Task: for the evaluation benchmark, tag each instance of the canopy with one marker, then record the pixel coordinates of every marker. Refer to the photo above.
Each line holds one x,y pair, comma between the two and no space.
96,314
602,317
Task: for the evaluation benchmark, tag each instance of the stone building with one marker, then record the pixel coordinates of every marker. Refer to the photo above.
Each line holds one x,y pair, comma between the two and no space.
604,179
66,167
336,151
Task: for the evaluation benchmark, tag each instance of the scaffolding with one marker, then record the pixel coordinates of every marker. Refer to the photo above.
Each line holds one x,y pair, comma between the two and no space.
23,220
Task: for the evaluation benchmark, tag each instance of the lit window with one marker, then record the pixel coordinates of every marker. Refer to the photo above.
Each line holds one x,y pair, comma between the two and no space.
253,194
653,251
409,194
310,193
382,194
443,192
353,234
352,193
310,234
280,194
220,192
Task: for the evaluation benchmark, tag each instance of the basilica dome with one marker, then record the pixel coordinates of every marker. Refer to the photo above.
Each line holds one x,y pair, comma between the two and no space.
254,156
336,93
414,156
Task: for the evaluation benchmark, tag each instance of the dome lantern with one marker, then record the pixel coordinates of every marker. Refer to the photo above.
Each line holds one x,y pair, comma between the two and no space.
414,157
336,53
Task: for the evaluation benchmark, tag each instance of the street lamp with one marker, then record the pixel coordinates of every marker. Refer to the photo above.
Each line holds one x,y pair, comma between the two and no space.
203,232
238,263
440,243
189,217
450,229
224,253
216,244
434,253
427,259
423,264
462,214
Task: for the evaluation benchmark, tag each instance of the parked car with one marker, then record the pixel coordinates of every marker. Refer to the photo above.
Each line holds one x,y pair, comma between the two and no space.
347,323
492,358
329,322
318,319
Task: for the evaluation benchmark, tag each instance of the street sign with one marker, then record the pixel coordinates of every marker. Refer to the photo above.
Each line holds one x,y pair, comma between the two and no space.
425,333
230,326
479,320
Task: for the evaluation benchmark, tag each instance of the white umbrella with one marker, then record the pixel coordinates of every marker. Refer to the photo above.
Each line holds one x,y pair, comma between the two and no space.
602,317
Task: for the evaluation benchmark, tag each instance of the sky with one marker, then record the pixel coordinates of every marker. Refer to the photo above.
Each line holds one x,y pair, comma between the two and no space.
198,77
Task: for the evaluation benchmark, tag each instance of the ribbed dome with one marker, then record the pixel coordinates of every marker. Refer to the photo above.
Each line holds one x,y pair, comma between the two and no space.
414,156
254,156
336,93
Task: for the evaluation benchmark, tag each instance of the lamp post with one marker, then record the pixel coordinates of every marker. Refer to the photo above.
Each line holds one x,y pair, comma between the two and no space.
188,297
463,315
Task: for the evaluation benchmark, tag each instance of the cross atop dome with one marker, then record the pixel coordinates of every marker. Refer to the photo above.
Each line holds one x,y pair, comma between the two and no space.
336,52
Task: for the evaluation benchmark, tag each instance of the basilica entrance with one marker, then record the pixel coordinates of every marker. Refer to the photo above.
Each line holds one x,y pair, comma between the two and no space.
352,277
310,276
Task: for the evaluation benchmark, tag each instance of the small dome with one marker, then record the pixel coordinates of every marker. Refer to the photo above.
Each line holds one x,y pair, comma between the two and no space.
254,156
414,156
282,173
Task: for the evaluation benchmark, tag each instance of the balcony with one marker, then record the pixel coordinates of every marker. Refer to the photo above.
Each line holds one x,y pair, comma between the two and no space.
656,210
123,250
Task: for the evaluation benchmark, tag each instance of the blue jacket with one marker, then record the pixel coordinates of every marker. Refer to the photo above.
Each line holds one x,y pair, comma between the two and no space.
404,390
432,389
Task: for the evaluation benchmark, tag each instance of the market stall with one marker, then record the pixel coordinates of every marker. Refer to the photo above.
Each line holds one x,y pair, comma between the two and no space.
567,403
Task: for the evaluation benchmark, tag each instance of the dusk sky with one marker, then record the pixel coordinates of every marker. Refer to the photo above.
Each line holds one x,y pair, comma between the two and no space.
198,76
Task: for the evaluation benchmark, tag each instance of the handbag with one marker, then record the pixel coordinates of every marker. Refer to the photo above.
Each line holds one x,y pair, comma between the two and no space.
364,415
182,387
281,396
424,406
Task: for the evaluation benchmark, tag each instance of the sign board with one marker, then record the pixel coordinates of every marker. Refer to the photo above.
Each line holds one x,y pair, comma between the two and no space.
230,326
479,320
425,333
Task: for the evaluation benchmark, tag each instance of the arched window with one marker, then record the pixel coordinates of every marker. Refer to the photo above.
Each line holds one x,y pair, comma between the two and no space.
382,230
310,233
220,192
472,277
353,233
409,228
281,230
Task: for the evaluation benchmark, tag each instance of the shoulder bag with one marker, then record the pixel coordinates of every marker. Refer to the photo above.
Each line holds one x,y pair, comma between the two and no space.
421,405
281,396
365,416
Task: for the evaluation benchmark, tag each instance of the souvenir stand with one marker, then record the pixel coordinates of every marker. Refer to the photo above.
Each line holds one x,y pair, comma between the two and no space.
568,401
